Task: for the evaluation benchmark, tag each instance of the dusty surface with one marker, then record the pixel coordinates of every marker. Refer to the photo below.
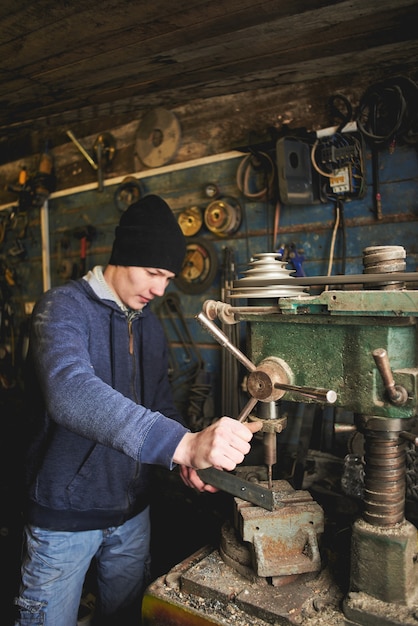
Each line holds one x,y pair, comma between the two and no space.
225,598
315,603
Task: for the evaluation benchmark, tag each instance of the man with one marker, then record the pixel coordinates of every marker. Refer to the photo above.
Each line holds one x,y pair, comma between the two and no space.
100,358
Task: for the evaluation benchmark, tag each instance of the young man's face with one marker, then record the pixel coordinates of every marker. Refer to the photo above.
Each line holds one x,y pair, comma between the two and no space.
136,286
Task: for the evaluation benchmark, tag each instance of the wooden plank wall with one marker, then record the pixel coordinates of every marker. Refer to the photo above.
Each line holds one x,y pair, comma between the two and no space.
307,227
182,184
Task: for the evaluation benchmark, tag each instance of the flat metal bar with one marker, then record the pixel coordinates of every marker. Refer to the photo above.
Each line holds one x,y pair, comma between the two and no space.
251,492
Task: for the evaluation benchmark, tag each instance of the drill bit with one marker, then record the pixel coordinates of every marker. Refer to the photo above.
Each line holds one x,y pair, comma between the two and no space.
270,454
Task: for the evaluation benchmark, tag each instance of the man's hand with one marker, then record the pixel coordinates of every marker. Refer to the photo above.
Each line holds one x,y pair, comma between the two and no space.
191,478
222,444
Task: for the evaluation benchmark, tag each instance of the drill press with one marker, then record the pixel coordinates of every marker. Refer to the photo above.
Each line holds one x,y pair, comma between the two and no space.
357,349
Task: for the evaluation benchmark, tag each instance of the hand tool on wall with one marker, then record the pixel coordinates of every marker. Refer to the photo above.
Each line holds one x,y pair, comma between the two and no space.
33,189
81,149
85,234
104,148
294,257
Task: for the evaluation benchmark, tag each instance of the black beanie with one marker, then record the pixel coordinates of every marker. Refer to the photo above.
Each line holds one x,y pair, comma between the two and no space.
149,235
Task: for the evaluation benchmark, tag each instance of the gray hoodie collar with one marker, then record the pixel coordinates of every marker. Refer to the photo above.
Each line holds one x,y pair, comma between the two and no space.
100,287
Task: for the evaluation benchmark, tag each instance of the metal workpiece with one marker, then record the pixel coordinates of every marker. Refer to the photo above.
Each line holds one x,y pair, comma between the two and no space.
259,495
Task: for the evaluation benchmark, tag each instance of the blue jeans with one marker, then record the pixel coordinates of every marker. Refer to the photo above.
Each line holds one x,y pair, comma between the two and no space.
56,564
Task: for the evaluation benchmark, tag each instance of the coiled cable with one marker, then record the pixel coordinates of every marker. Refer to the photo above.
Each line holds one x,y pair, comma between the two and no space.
388,110
253,167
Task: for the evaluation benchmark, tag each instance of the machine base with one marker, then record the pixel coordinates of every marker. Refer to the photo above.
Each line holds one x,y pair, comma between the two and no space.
203,591
365,610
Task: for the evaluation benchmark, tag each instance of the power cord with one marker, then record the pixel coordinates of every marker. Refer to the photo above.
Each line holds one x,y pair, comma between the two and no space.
388,110
253,167
339,223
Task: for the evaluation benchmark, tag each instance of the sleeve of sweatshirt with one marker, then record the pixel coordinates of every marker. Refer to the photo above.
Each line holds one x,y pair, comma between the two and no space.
81,401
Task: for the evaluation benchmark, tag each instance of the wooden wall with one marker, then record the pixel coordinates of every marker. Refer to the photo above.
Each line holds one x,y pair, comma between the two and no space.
214,135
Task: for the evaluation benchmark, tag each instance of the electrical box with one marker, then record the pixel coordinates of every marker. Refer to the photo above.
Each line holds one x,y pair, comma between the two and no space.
339,160
295,177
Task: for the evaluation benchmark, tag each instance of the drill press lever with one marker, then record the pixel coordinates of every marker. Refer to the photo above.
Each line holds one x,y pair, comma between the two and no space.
266,383
261,383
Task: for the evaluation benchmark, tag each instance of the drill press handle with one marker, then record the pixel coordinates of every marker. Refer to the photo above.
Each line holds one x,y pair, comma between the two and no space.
261,379
397,394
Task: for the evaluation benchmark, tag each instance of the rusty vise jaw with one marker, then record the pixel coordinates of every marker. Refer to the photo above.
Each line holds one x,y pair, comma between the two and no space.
285,541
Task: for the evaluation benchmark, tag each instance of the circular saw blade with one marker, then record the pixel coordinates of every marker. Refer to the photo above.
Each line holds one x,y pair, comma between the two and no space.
158,137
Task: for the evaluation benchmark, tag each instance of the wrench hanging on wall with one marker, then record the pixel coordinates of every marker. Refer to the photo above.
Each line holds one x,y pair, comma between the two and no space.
104,148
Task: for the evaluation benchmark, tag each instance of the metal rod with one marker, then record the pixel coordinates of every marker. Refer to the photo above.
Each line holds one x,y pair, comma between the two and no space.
350,279
247,409
221,338
345,428
382,363
412,437
323,395
46,252
397,394
82,150
253,309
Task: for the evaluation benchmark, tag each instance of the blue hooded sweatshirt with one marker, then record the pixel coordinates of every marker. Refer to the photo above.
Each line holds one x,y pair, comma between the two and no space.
106,413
